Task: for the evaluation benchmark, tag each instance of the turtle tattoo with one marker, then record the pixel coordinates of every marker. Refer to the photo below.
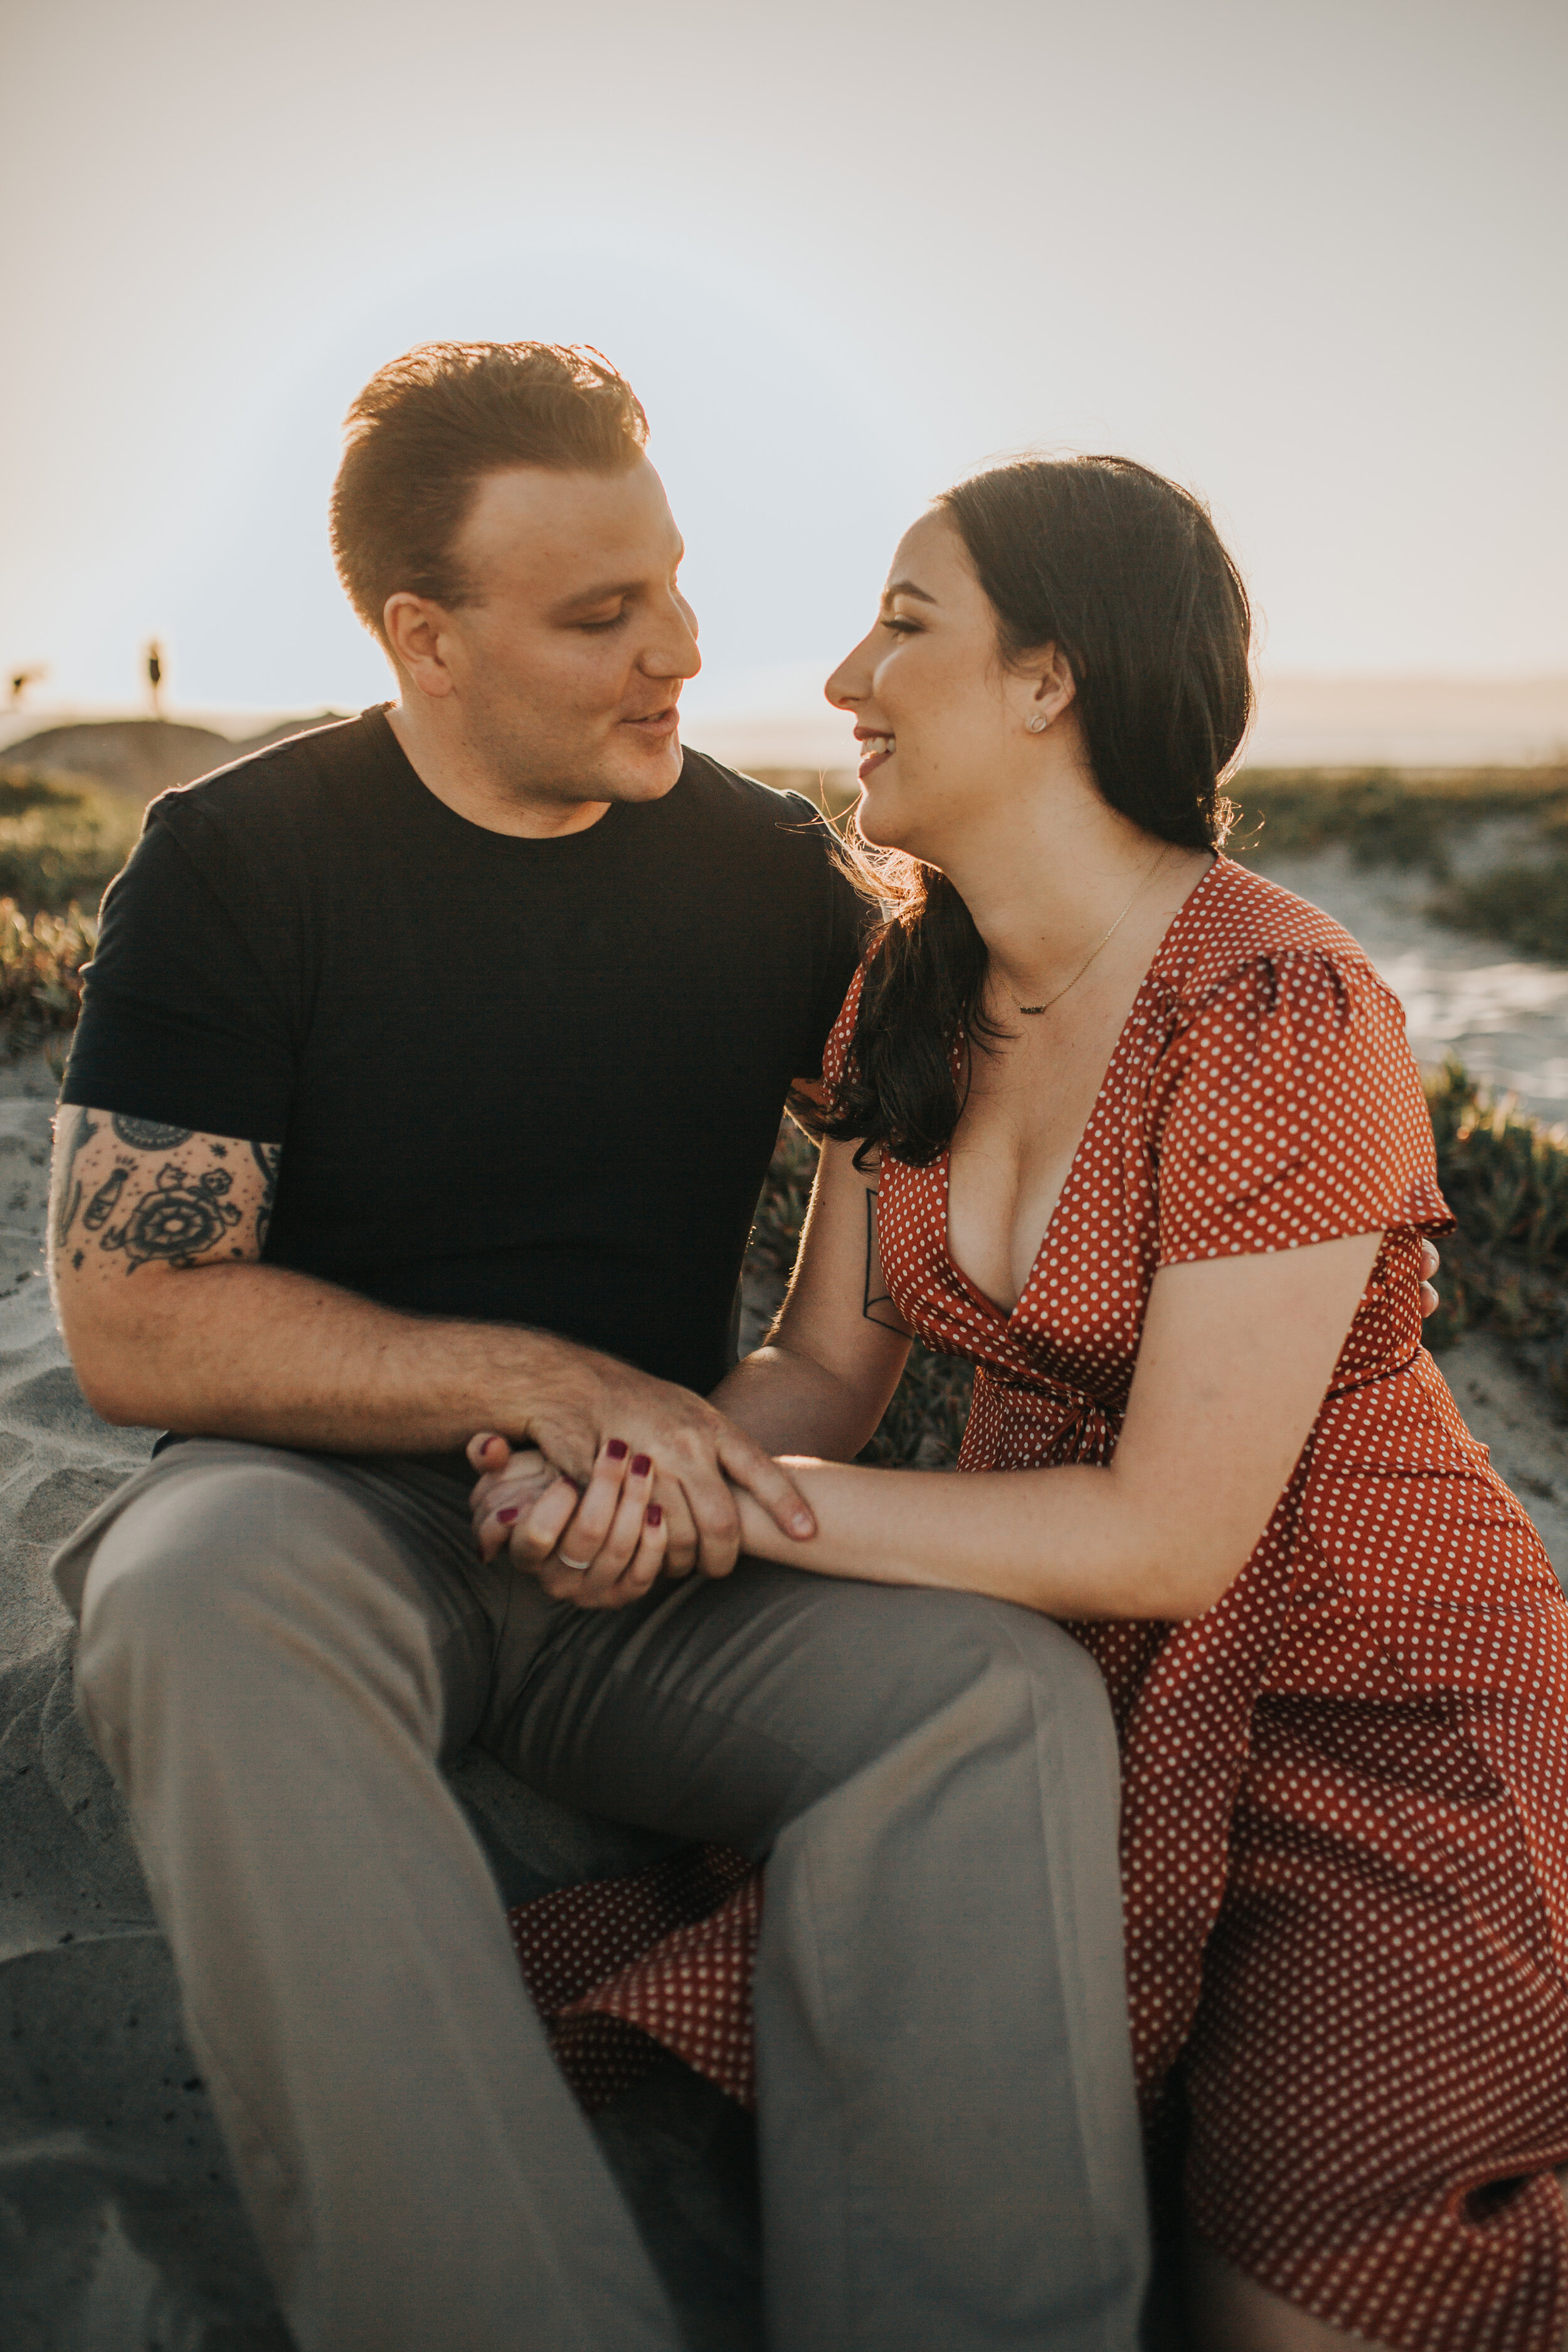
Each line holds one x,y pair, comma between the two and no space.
178,1220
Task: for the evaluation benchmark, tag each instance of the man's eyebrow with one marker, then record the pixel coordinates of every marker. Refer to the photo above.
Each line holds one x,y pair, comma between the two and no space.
609,593
613,592
905,588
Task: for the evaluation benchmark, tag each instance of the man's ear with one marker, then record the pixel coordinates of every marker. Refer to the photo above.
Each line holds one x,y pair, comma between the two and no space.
413,627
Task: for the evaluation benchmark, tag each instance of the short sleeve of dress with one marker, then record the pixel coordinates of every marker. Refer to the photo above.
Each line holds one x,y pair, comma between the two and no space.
1287,1109
836,1052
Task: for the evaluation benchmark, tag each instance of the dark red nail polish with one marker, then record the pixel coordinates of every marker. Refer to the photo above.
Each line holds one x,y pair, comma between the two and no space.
507,1516
654,1515
641,1464
617,1449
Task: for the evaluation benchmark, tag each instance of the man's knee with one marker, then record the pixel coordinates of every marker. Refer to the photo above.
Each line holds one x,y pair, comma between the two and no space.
1025,1676
1058,1669
212,1568
943,1639
887,1664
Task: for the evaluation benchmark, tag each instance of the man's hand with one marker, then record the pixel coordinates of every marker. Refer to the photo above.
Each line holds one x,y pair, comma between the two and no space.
600,1547
593,1401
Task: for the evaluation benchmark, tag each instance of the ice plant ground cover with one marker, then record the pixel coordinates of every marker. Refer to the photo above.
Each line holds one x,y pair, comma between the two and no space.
41,957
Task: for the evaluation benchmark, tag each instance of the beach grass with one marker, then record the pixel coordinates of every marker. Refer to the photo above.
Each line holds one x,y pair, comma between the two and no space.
41,957
62,839
1390,816
1505,1177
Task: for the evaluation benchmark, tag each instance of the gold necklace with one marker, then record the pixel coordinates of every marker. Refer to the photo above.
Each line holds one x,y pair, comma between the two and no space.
1032,1009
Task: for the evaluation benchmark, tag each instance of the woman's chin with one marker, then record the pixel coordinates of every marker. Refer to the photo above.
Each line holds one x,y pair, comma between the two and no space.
875,821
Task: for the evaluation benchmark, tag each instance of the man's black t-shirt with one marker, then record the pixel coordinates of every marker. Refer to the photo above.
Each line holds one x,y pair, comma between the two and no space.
525,1081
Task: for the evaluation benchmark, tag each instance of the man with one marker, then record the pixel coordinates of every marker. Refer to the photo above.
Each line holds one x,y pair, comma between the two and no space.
427,1073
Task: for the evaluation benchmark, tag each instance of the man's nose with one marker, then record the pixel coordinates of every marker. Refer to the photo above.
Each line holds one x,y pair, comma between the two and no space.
675,654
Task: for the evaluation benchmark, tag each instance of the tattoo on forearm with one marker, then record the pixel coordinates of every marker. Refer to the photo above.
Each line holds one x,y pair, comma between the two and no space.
268,1158
70,1185
876,1306
149,1134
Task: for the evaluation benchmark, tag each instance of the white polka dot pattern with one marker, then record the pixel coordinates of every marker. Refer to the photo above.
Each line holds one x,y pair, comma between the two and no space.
618,1965
1345,1807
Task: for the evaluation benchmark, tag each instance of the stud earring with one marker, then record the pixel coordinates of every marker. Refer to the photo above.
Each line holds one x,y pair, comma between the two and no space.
1038,724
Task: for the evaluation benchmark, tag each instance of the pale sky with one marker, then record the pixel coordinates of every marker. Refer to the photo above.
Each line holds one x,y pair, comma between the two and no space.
1309,259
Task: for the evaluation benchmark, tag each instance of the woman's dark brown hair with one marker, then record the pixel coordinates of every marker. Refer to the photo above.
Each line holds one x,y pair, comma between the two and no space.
1125,573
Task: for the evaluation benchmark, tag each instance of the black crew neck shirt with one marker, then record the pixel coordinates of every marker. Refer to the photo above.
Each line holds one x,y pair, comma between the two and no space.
523,1081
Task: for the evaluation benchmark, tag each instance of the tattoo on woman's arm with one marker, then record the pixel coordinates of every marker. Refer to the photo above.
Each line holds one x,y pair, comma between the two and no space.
106,1200
876,1306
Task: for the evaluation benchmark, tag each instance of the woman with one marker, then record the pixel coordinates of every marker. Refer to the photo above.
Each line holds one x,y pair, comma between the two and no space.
1140,1134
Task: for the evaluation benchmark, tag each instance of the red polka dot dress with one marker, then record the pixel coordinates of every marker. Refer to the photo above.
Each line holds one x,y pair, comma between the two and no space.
1346,1786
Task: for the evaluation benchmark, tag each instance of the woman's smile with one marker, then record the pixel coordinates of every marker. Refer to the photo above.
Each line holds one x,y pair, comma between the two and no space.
878,749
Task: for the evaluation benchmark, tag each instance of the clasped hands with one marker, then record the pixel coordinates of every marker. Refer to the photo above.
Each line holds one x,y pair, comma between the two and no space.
601,1543
601,1538
595,1517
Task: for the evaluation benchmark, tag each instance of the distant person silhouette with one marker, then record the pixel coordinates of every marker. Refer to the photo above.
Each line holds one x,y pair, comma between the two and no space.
156,678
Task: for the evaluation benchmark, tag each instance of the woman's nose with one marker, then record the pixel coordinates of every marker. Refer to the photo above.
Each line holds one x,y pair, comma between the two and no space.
846,688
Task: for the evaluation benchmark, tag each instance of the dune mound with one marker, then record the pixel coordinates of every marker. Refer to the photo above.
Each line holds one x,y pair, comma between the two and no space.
143,757
139,757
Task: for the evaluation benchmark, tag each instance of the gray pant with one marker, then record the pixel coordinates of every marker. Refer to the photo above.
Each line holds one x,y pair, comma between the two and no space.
276,1652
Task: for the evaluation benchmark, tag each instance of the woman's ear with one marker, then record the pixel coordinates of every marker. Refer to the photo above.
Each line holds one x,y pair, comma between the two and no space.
1048,675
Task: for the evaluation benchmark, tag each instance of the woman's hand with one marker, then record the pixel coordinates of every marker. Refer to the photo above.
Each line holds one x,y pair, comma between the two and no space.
1430,1261
601,1546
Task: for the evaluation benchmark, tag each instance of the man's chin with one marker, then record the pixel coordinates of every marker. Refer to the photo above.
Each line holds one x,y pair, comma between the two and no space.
642,771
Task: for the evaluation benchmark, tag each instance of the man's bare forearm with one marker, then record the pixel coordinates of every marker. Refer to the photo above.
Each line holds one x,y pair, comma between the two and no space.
173,1318
258,1352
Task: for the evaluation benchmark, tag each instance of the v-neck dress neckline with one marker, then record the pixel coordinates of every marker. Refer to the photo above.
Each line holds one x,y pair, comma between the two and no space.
1102,1097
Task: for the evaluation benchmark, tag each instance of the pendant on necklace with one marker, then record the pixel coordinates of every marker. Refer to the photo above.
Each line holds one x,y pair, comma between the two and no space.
1032,1008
